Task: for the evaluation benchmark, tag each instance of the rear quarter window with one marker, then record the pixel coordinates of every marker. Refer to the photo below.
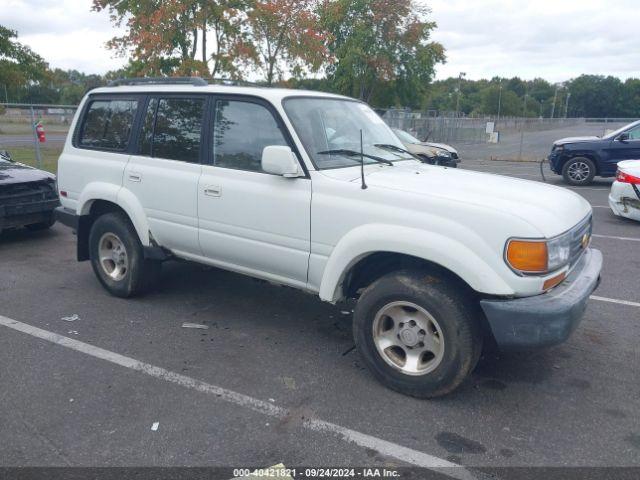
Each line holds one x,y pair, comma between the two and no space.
107,124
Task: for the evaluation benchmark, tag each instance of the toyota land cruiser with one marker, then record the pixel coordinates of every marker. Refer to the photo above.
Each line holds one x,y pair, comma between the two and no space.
314,191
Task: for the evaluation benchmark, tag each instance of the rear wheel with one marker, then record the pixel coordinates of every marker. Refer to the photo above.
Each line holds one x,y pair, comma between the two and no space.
117,257
579,171
417,333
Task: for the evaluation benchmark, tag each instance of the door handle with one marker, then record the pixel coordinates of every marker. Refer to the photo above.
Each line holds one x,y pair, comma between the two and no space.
212,191
135,177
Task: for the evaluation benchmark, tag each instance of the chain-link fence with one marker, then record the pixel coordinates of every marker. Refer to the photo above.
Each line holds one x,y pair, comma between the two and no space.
34,134
513,138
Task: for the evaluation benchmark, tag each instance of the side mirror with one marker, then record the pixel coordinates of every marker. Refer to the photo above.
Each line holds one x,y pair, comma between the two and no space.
280,160
623,137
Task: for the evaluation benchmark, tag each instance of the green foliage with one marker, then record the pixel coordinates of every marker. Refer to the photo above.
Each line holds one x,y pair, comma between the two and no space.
381,50
19,65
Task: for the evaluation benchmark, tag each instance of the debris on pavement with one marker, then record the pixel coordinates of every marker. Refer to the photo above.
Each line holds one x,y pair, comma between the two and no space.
195,325
71,318
289,382
154,427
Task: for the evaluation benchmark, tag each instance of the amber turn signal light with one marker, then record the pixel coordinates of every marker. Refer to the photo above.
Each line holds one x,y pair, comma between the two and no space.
527,256
553,281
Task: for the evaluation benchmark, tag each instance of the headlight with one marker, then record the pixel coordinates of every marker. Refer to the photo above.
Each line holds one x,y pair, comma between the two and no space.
558,148
538,256
559,249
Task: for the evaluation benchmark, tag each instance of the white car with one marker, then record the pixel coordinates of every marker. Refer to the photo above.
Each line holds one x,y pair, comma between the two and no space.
624,198
314,191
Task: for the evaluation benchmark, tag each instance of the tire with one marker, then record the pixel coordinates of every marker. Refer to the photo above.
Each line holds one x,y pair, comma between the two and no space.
35,227
417,302
579,171
126,273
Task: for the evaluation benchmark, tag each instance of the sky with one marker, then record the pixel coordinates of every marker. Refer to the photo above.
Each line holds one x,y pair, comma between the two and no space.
553,39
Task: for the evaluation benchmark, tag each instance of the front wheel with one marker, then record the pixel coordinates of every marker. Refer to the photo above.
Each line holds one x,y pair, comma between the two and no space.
417,333
117,257
579,171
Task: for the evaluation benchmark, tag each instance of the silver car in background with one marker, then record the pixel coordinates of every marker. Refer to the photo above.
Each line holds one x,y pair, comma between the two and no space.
432,153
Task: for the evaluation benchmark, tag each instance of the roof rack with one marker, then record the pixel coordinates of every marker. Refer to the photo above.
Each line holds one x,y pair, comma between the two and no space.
195,81
233,82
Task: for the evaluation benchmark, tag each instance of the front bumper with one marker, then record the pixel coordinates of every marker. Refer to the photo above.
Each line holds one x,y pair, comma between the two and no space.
546,319
554,160
27,213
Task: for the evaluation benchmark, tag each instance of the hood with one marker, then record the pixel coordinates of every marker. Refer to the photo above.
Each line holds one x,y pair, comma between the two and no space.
444,146
11,172
564,141
632,167
550,210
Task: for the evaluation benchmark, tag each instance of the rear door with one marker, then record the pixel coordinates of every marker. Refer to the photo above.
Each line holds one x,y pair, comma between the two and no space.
101,144
163,173
252,221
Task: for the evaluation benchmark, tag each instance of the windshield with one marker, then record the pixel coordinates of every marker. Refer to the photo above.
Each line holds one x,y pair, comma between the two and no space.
615,133
325,124
405,136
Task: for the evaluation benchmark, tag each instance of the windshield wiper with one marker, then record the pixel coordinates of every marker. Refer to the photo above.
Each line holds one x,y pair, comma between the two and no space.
353,153
393,148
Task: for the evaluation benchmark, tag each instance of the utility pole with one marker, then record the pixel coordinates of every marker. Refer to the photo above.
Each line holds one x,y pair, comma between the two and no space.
555,97
499,102
524,105
460,77
566,105
6,95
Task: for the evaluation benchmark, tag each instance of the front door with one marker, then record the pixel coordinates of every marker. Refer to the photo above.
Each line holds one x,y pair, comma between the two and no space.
251,221
622,150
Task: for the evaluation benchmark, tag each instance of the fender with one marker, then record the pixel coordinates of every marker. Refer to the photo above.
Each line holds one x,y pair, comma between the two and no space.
427,245
119,196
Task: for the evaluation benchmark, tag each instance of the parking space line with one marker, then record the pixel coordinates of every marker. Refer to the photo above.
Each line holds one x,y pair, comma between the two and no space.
613,300
612,237
399,452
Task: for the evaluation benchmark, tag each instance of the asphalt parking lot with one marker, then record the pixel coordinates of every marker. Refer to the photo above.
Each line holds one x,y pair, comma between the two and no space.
275,379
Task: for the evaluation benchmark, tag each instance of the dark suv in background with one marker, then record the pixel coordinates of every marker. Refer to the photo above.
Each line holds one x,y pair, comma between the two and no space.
579,159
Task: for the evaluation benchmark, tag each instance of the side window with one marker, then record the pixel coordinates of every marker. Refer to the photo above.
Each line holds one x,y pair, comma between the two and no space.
241,131
107,124
146,133
176,130
634,134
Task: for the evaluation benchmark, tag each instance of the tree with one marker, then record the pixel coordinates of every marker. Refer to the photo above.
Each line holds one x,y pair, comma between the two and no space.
284,33
162,36
20,67
596,96
381,45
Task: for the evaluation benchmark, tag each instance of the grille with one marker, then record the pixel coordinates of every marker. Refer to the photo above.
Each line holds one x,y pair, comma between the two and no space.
576,235
30,192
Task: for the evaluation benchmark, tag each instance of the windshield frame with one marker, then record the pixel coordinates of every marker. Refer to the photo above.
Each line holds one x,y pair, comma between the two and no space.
334,98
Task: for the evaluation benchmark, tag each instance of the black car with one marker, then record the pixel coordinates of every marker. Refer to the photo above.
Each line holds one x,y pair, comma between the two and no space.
579,159
28,196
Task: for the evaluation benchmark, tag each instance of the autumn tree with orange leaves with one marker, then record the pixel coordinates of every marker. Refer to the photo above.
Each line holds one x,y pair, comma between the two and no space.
178,37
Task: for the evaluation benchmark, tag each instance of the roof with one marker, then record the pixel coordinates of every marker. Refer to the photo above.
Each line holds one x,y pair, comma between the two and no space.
272,94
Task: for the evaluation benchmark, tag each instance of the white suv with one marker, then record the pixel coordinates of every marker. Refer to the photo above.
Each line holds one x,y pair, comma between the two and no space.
271,183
